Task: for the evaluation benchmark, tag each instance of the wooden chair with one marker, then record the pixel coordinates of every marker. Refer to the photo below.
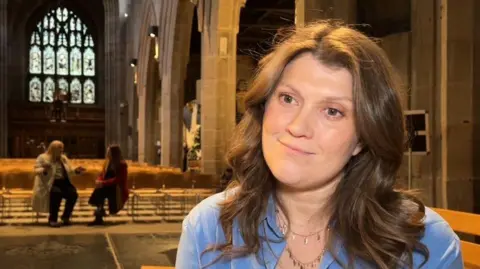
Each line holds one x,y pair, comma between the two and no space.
467,223
146,185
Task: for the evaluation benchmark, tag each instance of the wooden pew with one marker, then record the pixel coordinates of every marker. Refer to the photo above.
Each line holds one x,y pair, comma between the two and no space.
467,223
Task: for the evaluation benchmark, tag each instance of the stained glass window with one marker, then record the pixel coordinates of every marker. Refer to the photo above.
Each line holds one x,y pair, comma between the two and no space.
35,90
89,92
62,62
76,91
89,62
48,89
63,85
62,58
35,60
48,61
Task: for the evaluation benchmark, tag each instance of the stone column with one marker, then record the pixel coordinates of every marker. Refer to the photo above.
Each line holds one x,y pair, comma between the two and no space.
218,78
148,77
424,96
456,91
311,10
112,63
3,79
124,90
177,51
147,110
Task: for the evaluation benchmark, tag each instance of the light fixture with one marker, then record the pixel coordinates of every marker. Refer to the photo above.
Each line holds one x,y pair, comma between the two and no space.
133,62
153,31
126,15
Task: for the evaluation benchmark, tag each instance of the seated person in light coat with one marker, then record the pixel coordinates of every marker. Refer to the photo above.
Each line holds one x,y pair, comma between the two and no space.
52,184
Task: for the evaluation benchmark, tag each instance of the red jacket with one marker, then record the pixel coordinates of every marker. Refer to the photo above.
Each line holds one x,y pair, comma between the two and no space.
120,180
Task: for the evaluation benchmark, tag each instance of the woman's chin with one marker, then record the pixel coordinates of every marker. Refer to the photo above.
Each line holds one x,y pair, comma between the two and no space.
289,179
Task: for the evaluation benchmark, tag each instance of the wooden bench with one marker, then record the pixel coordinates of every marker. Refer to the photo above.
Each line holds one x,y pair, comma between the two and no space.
466,223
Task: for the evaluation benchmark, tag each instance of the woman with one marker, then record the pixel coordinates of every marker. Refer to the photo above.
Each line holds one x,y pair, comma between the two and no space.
111,185
316,157
52,184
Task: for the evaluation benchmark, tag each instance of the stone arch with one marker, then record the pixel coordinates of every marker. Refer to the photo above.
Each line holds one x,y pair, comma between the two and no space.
145,87
176,24
149,18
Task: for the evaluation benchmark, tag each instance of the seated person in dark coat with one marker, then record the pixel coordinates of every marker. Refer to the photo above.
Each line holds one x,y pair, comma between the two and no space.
111,185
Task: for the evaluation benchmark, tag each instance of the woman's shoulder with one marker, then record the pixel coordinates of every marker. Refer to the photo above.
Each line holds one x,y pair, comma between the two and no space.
65,159
208,208
442,242
206,214
436,225
43,156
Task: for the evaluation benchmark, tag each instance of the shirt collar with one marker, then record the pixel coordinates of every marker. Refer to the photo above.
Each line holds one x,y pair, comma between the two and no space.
271,216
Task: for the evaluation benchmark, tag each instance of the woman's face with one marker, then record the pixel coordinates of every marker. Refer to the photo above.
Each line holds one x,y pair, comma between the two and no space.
58,151
308,132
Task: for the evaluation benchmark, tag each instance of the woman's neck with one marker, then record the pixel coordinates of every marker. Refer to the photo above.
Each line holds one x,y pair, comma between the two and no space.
307,210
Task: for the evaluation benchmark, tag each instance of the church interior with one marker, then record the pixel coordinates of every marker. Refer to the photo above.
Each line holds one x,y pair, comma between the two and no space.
165,81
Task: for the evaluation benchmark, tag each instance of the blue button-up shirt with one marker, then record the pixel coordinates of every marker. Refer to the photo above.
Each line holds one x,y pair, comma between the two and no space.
201,229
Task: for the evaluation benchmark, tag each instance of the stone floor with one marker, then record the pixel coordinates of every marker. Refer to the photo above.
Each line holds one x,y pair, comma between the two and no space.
127,246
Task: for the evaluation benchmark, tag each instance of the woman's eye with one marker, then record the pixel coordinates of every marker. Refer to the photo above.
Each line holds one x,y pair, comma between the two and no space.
332,112
285,98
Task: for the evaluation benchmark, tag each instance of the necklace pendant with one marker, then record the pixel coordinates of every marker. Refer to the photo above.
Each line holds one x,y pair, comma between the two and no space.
305,241
293,237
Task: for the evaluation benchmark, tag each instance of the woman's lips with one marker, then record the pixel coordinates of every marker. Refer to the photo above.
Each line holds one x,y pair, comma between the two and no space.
295,149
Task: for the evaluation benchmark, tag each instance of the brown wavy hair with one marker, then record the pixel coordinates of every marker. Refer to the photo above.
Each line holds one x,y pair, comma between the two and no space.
376,222
113,156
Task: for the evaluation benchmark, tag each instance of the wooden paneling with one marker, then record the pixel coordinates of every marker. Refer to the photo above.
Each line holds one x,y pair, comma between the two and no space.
83,133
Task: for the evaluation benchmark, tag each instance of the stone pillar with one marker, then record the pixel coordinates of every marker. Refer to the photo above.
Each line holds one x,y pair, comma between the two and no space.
424,96
177,51
219,53
456,91
147,109
112,64
148,77
124,90
3,79
311,10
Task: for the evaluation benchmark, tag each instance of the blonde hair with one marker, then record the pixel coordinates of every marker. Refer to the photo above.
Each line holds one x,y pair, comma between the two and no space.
54,150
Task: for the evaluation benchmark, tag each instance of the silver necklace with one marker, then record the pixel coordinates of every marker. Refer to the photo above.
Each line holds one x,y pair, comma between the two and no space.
297,263
304,265
283,229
